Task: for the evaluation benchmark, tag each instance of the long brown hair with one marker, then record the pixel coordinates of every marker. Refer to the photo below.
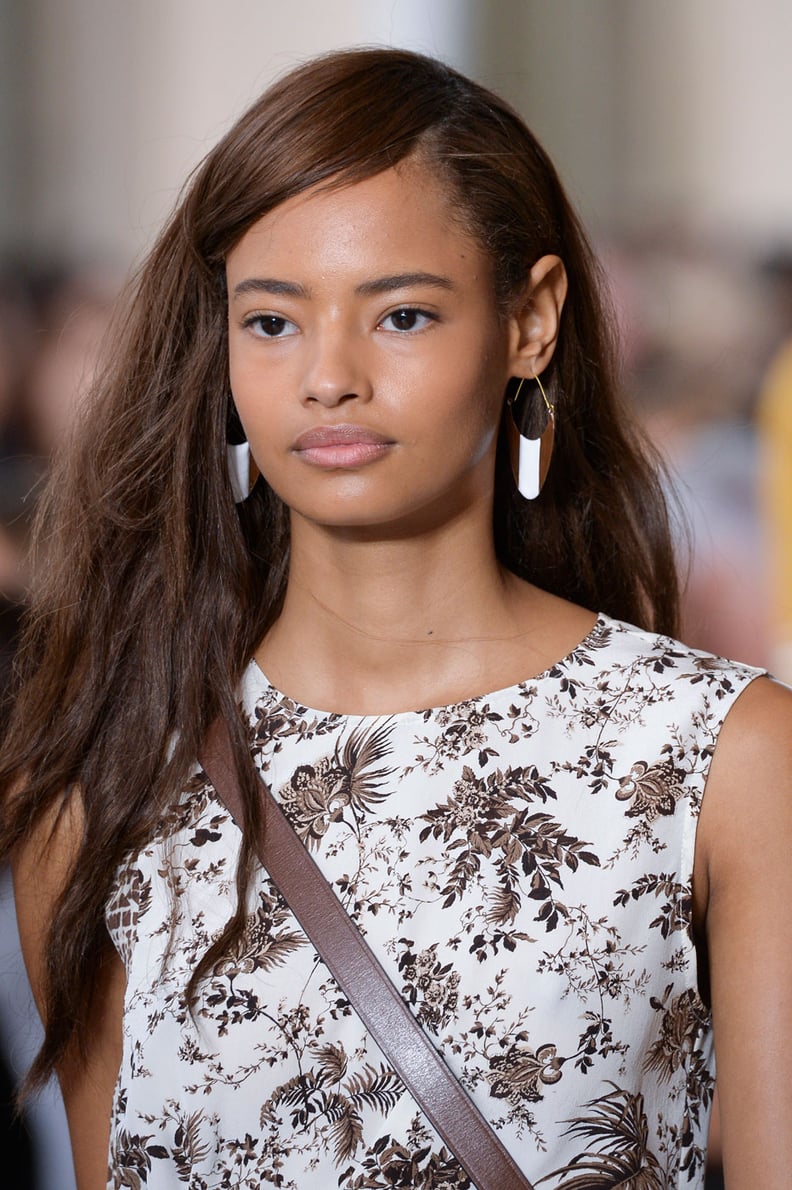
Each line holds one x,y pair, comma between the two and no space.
153,588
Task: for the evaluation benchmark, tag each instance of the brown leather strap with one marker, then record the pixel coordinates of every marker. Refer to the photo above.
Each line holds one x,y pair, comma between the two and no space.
358,973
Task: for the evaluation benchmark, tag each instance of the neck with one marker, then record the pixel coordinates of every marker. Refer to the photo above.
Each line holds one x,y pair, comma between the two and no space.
371,623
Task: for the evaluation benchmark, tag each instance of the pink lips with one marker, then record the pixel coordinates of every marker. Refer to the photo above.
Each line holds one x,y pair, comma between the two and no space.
341,446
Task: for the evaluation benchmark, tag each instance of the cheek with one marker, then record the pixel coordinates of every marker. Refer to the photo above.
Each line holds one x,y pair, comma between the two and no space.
242,379
253,399
474,402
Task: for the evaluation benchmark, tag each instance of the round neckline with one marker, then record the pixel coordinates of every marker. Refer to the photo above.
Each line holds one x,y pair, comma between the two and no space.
255,675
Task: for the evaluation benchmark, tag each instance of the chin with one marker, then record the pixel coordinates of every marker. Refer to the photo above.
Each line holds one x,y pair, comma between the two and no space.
360,519
362,501
370,519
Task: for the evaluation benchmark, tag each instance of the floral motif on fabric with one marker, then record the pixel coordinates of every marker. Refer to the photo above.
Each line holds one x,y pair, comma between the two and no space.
521,865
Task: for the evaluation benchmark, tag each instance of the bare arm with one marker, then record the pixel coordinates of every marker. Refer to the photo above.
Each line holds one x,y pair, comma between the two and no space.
743,900
40,871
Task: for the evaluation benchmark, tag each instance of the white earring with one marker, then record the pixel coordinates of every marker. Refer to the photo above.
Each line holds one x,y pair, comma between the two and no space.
238,456
530,453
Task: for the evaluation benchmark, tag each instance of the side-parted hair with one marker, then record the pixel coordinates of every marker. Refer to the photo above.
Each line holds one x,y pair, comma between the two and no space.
153,588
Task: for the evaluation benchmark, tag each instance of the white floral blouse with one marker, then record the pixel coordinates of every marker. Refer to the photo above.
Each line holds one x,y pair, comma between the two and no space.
521,865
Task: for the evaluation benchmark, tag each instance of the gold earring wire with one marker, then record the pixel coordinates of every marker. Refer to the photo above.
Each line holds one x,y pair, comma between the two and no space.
513,398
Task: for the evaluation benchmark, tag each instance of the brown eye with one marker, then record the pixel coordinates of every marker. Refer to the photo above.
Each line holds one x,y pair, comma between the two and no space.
270,326
408,318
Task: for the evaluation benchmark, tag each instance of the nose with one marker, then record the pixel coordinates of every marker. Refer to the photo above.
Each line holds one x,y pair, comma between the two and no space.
336,369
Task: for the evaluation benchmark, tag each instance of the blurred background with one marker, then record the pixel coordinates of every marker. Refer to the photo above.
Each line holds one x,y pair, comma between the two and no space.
670,125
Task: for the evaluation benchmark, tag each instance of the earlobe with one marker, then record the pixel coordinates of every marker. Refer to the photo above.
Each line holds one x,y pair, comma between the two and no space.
537,318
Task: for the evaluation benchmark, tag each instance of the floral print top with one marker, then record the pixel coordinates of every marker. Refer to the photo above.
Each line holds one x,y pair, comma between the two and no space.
521,865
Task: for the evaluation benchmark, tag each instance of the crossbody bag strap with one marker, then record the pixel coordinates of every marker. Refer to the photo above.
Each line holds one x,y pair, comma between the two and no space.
365,984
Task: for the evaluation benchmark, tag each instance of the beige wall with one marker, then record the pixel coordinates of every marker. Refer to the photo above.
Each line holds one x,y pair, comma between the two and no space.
558,64
709,134
127,95
657,110
13,197
653,109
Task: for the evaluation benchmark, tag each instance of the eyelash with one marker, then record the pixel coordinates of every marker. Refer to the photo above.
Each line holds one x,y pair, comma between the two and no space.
426,314
256,322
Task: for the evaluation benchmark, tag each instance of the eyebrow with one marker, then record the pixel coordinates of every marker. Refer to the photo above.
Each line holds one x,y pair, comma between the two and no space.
270,285
372,288
403,281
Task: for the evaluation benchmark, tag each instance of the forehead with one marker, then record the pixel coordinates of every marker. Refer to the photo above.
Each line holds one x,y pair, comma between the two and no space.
398,220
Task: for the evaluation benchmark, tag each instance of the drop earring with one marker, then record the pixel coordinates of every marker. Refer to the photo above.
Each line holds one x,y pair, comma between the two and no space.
242,471
531,433
238,455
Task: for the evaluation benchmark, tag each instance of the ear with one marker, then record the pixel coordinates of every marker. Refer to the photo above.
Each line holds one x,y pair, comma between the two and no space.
535,322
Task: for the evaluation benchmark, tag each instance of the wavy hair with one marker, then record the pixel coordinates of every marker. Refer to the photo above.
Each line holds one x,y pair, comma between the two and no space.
153,588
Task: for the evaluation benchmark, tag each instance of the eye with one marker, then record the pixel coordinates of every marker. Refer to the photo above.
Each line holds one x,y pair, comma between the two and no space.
269,326
408,318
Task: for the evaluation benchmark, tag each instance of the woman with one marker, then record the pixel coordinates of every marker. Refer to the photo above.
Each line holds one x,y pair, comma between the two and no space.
359,278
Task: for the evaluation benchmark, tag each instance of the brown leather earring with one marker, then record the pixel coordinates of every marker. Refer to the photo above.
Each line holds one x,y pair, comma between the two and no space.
531,433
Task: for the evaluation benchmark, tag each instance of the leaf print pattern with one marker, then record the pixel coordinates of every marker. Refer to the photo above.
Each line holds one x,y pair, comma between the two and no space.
521,866
484,821
465,730
677,910
677,1047
619,1154
395,1165
320,1094
321,794
265,943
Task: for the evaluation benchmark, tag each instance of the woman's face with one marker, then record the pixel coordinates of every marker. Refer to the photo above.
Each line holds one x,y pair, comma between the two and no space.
368,362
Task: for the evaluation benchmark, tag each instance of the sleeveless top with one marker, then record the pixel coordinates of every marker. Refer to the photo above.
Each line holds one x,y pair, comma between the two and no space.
521,865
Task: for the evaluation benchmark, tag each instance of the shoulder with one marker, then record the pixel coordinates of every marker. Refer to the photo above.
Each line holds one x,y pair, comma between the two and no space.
747,813
759,726
87,1068
742,892
744,837
665,662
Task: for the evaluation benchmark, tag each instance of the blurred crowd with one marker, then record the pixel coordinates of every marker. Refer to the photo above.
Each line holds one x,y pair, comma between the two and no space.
707,334
51,328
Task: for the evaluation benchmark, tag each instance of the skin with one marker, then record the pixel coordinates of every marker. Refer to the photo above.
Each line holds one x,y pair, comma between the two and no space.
40,871
396,600
381,553
742,891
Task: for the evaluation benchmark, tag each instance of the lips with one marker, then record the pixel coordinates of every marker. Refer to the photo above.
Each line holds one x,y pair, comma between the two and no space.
341,446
